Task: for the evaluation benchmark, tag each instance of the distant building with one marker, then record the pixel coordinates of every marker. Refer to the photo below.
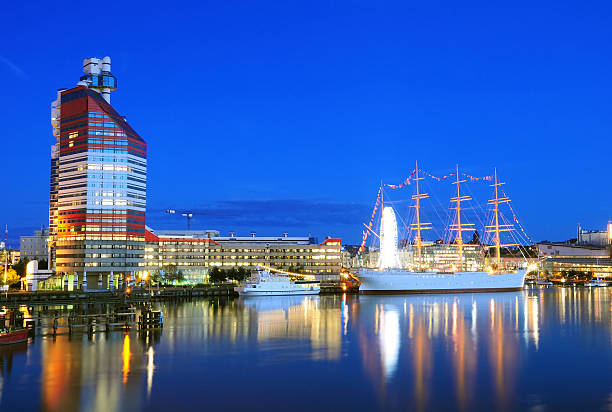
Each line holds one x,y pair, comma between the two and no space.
15,256
195,253
351,258
34,247
594,237
591,251
440,255
98,182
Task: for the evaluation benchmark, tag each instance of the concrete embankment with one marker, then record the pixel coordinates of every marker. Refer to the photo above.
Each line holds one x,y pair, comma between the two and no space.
71,297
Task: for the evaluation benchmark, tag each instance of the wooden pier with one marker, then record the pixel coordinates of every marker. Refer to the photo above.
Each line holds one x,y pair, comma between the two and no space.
124,318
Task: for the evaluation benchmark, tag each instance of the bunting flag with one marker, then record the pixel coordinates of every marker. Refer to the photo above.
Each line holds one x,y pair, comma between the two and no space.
475,178
365,233
436,177
404,183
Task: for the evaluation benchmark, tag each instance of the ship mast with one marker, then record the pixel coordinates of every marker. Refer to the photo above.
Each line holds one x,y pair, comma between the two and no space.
459,226
497,228
418,226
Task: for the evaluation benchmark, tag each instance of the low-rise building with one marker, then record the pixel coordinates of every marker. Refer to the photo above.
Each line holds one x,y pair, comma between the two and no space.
34,247
195,253
591,251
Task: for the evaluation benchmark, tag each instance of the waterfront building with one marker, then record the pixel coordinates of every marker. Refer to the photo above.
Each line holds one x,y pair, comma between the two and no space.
438,255
194,253
590,251
98,182
34,247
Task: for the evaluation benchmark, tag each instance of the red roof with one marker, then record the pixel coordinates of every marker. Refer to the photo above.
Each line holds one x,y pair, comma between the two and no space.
151,237
332,239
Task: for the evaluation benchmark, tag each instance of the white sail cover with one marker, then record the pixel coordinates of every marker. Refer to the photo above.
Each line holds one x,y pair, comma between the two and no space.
389,257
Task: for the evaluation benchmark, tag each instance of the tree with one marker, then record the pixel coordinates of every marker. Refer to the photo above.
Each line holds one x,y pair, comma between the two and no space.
217,275
11,277
297,269
179,276
242,274
20,267
171,273
475,239
156,276
238,274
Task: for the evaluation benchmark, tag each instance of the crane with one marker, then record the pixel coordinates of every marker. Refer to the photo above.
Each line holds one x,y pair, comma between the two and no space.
184,213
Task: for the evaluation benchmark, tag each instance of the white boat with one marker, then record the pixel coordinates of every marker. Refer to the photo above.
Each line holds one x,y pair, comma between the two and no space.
264,283
403,281
597,283
543,282
388,278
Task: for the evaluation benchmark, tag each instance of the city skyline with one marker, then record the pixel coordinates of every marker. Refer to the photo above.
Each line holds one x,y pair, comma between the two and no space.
299,142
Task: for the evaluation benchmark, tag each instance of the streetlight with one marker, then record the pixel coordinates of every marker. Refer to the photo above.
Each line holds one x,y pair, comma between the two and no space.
186,213
145,276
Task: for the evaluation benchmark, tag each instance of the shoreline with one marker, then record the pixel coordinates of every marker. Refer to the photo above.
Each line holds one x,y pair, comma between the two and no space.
60,297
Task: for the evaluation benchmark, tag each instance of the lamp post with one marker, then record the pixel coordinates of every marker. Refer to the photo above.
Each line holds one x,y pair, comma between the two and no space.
145,277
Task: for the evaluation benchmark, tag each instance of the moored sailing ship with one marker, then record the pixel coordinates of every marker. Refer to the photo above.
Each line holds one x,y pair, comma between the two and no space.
422,278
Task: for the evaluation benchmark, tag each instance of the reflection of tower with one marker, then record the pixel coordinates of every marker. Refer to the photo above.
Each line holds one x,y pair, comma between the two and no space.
389,257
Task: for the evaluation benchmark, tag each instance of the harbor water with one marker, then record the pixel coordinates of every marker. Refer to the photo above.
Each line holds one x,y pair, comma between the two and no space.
536,349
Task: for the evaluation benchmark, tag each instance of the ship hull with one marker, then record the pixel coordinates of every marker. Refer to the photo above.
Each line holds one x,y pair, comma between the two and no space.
16,336
403,282
283,292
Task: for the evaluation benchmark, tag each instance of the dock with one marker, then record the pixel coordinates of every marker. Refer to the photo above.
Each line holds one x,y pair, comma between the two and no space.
60,297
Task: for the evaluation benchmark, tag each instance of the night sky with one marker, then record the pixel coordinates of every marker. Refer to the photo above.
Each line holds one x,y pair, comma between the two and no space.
285,116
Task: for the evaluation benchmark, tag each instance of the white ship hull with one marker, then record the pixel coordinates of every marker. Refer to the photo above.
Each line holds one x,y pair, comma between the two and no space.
404,281
245,291
263,283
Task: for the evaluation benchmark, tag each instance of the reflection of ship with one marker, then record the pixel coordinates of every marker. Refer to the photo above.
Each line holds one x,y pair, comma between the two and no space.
13,336
10,332
458,278
264,283
316,319
284,303
410,344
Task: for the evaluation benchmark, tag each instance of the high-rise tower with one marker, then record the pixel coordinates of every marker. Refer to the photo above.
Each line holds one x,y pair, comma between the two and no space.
98,183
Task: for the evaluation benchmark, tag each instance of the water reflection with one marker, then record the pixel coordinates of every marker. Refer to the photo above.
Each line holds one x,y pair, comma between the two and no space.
442,333
389,340
467,351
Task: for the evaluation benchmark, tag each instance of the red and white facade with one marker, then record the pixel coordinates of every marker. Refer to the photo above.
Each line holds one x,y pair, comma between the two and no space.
98,183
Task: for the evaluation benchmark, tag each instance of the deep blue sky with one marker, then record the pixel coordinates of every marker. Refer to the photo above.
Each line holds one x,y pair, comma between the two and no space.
274,116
